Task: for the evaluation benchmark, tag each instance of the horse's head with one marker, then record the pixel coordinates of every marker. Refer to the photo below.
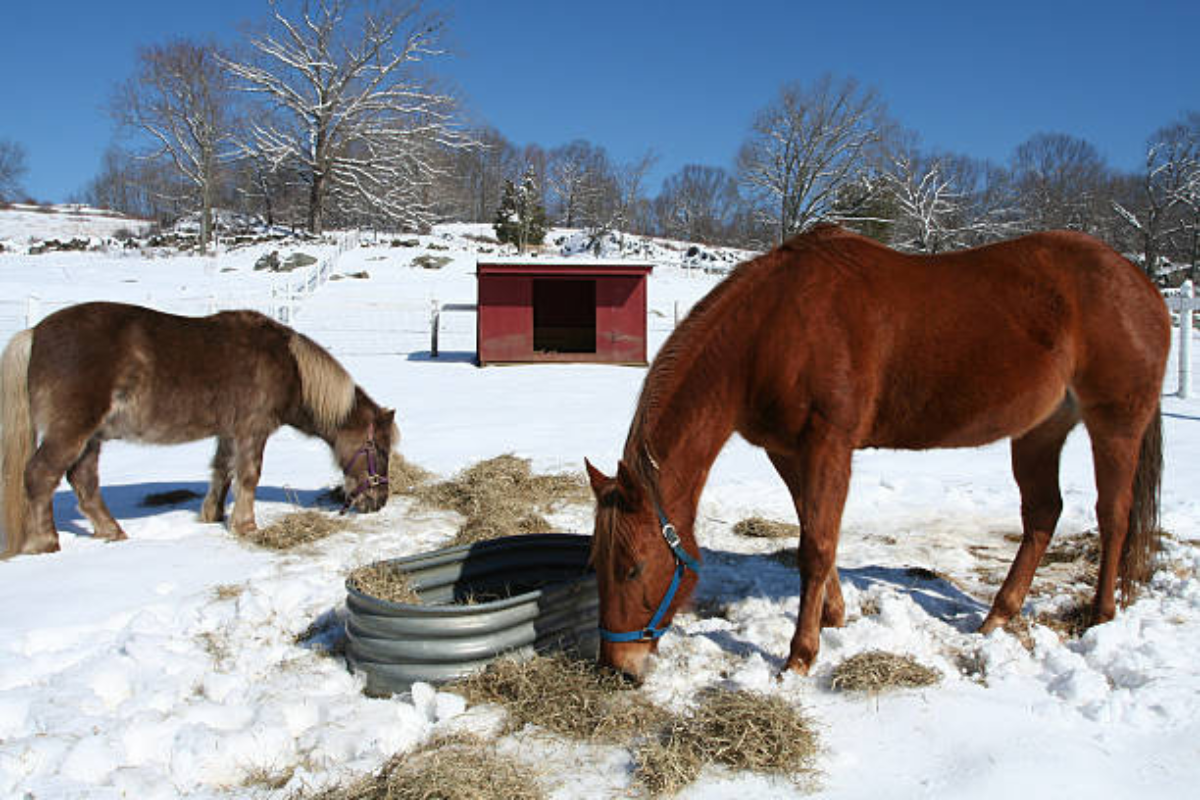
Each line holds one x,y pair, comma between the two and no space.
642,572
364,448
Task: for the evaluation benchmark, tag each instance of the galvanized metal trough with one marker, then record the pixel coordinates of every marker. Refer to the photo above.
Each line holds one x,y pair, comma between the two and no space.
547,602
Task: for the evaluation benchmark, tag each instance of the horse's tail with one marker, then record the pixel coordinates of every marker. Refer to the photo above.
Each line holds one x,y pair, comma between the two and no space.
1142,538
17,439
325,386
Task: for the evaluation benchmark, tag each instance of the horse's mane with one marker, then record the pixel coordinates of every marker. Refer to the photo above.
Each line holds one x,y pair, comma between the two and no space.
689,348
326,386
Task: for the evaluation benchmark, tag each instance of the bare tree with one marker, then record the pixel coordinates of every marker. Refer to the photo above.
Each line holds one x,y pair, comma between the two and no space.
357,117
1062,182
697,204
1172,168
932,196
582,184
178,101
13,167
805,146
630,183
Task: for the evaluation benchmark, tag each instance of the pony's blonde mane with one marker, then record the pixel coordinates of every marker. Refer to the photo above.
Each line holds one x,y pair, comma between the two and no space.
326,386
17,439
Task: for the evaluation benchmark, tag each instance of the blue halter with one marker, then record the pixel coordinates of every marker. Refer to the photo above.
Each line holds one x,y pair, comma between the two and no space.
683,561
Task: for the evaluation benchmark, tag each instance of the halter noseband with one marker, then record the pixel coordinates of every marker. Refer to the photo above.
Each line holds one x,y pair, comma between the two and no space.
374,477
683,562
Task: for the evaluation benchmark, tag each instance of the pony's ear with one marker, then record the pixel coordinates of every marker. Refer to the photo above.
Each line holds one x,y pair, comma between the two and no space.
387,416
631,488
599,479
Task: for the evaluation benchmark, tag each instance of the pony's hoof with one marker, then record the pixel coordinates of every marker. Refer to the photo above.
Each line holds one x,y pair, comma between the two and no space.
40,546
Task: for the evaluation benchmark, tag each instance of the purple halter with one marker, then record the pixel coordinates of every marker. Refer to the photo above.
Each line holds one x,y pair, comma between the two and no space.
374,476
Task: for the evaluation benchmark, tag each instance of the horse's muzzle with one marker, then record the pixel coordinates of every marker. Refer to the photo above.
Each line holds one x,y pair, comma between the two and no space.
631,659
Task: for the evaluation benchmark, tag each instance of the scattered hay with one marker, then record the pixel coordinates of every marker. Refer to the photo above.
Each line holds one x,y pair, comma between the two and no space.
228,591
741,730
173,497
297,528
1070,620
385,581
876,670
405,477
502,497
565,696
448,768
766,528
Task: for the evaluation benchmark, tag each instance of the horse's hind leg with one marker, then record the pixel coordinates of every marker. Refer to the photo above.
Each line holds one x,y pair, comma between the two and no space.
84,476
213,509
1035,460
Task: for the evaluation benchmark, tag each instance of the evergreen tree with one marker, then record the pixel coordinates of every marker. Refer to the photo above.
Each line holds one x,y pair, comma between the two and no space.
521,217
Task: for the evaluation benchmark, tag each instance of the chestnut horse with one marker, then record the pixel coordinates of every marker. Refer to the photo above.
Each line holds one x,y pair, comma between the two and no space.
101,371
831,343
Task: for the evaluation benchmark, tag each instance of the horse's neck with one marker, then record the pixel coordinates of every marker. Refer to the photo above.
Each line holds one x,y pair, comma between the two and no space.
684,435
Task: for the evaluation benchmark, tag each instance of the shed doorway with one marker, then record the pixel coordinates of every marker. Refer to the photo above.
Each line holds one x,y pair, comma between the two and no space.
564,315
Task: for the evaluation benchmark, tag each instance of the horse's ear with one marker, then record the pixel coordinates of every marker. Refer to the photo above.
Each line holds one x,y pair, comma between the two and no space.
631,488
386,417
599,479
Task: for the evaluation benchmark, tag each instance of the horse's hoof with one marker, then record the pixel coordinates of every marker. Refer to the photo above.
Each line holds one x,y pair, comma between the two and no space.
794,666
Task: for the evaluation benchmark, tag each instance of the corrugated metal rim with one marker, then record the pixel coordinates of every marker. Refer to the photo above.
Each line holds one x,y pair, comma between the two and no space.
398,644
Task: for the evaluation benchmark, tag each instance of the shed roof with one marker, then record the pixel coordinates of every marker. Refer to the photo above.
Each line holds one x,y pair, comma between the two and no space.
588,266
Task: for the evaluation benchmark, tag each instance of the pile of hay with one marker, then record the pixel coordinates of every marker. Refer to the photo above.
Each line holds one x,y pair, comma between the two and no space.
740,730
385,581
502,497
876,670
300,527
449,768
766,529
569,697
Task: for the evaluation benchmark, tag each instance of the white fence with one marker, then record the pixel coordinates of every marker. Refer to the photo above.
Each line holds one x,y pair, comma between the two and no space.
282,300
1183,302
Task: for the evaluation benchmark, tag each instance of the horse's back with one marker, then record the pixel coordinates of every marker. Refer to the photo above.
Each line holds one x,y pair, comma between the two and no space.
963,348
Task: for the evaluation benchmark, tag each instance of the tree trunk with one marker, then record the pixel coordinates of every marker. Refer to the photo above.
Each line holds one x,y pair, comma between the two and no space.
315,202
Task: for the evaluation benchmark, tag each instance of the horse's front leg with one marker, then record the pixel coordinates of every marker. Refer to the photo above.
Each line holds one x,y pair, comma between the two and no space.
248,467
213,509
84,476
819,477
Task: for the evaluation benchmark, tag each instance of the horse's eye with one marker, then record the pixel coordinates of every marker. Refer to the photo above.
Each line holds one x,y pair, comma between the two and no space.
635,571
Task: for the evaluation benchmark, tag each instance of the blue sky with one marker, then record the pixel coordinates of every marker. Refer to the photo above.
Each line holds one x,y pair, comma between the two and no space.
683,78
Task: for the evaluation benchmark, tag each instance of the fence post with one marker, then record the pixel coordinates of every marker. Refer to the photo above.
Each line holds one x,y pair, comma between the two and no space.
435,318
1187,294
33,310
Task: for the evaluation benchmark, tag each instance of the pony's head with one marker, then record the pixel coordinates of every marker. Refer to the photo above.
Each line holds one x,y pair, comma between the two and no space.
363,448
642,572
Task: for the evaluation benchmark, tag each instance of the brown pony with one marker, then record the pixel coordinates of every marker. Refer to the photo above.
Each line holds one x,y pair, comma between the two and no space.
831,343
101,371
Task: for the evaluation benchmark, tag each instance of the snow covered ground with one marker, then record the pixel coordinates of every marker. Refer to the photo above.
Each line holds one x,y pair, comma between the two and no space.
168,665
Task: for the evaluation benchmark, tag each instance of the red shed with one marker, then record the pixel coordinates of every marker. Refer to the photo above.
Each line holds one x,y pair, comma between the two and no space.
533,310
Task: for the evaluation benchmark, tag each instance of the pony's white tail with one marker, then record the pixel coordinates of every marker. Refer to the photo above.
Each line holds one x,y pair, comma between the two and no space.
17,439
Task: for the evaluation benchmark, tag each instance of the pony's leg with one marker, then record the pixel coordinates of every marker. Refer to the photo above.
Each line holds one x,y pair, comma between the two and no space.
1035,459
248,455
213,509
84,476
45,469
820,473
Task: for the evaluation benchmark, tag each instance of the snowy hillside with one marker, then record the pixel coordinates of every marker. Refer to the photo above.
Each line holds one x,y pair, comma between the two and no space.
21,224
169,665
